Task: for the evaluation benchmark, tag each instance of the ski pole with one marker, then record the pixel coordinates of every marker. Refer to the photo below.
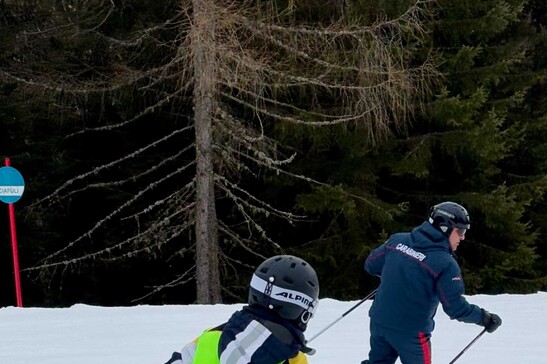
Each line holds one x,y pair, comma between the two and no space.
467,347
343,315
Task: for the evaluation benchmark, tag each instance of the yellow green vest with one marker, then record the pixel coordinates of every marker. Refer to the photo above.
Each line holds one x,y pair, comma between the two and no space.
207,348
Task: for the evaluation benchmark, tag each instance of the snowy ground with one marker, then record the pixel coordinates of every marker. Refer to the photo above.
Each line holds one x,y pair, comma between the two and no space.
149,334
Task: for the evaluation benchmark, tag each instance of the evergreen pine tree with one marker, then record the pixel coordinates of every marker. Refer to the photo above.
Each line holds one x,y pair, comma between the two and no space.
479,141
469,144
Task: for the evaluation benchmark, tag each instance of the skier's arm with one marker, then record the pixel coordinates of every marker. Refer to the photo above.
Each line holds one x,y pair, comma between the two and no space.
451,289
375,261
186,355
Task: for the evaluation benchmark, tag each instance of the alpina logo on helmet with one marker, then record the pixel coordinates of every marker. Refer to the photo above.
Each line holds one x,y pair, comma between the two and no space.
296,297
283,294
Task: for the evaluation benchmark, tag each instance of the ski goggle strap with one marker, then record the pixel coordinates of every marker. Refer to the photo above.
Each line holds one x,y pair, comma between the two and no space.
284,294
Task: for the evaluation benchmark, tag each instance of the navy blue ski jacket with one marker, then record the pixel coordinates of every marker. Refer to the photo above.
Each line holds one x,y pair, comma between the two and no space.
417,271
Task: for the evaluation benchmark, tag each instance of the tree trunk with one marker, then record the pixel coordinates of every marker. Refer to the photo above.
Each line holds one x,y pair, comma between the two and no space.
207,269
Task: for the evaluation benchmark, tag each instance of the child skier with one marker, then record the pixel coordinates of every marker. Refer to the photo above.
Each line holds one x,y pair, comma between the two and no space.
283,297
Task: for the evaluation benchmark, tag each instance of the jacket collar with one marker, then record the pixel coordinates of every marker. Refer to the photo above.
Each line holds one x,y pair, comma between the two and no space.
427,236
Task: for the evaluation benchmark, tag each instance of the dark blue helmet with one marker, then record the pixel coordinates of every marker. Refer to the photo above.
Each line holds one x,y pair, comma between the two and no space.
447,216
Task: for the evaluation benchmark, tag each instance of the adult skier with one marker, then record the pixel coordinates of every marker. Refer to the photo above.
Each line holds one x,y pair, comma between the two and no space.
283,297
417,271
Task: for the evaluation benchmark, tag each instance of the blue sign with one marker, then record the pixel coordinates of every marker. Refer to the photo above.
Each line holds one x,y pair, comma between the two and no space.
12,185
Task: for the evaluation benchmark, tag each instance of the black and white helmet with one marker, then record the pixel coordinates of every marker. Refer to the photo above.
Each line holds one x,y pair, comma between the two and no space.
447,216
287,285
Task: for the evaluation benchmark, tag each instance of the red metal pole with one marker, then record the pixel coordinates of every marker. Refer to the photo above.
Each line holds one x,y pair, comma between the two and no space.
15,253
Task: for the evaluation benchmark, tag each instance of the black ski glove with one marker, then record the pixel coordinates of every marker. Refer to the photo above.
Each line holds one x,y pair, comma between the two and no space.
490,321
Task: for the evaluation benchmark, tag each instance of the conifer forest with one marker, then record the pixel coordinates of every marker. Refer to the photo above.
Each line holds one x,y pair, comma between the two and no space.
169,147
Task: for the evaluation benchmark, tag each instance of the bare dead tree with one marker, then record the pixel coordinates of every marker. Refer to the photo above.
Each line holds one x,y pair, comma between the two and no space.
243,64
202,40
